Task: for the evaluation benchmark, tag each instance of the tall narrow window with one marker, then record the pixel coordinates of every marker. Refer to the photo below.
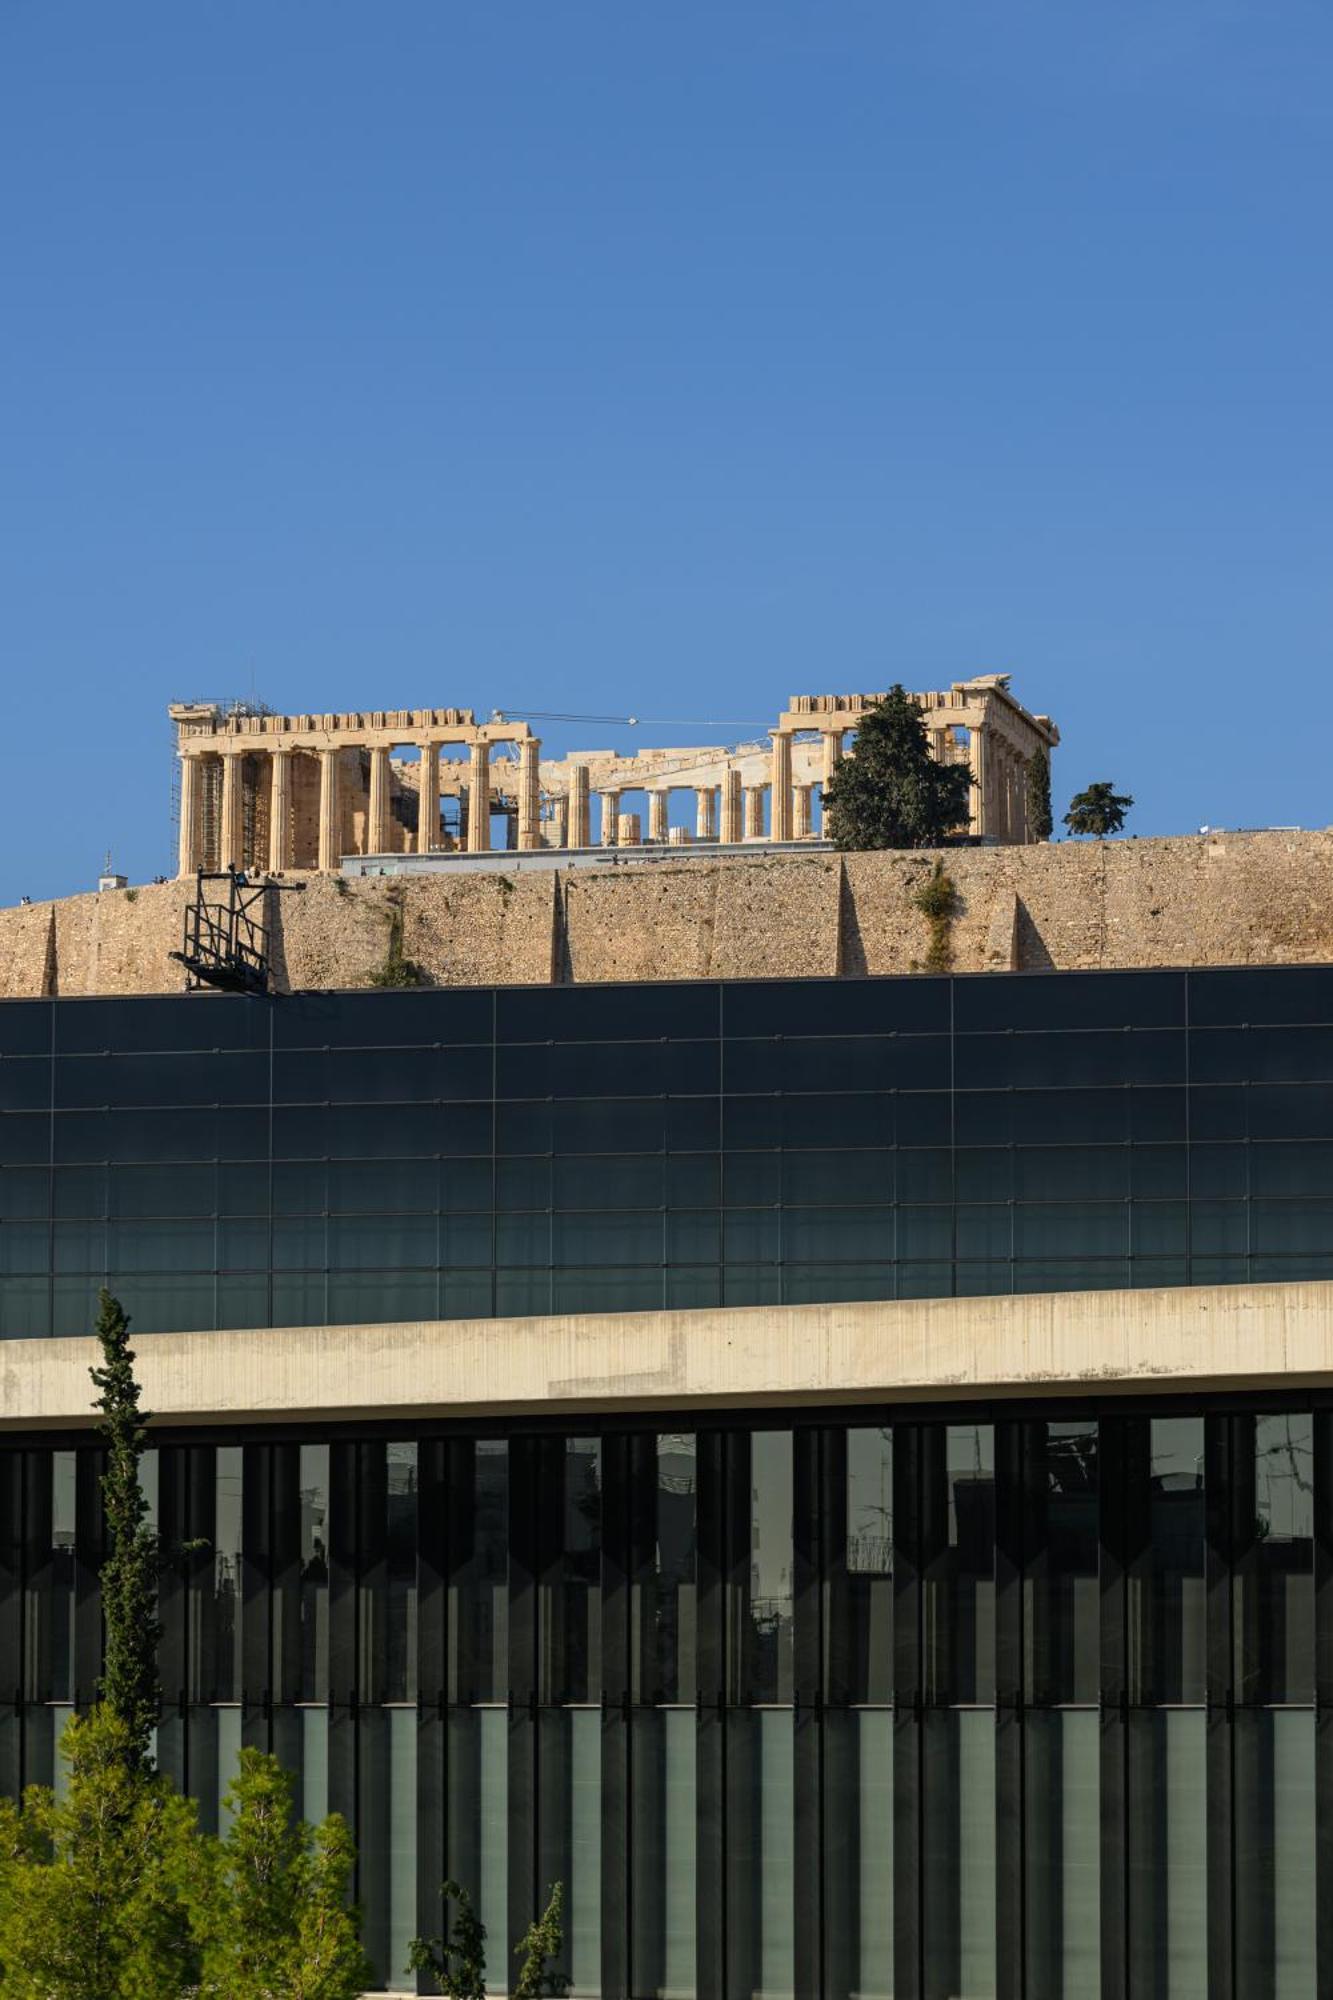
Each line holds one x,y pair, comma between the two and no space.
1061,1570
314,1572
479,1588
665,1627
62,1575
1274,1594
1166,1579
958,1559
400,1573
765,1626
227,1672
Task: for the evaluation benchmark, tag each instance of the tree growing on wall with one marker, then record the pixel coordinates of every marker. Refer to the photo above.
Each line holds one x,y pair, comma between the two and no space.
891,792
1098,811
1040,823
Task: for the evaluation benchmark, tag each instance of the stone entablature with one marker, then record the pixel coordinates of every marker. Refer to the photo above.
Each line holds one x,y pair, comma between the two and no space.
279,792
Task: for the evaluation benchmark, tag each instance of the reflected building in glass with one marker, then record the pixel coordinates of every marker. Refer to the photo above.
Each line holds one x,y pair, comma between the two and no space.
994,1683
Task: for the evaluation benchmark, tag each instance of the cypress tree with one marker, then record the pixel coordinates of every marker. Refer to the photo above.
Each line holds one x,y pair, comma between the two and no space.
1040,822
129,1685
891,792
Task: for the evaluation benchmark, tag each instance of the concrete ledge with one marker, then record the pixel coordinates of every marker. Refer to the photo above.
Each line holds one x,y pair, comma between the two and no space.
1204,1337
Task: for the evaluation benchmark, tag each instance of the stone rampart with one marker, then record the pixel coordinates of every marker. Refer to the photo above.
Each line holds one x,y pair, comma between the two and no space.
1224,899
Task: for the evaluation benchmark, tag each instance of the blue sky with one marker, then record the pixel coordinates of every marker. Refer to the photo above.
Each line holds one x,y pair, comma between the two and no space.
666,361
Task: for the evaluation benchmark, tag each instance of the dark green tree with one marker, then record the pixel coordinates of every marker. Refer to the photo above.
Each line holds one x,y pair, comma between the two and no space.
129,1685
890,792
1040,822
1099,811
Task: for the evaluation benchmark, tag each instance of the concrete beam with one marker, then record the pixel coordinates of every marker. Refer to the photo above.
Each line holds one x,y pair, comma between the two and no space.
1172,1341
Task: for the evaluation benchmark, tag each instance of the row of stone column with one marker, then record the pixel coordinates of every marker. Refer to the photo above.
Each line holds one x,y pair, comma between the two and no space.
230,842
731,811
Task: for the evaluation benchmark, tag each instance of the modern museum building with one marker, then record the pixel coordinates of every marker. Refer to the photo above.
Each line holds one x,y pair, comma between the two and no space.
836,1472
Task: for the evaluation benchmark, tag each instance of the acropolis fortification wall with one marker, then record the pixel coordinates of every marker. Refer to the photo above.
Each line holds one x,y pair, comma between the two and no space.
1215,899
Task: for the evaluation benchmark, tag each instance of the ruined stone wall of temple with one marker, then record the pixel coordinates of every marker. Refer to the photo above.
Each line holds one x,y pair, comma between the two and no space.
1220,899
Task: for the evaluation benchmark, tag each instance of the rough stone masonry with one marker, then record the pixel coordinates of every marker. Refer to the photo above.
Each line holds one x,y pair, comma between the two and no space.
1214,899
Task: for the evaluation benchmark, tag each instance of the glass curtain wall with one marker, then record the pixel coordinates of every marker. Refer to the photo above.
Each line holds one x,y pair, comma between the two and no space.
350,1157
937,1708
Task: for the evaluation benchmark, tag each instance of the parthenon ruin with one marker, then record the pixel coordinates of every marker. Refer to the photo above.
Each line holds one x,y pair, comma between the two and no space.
260,791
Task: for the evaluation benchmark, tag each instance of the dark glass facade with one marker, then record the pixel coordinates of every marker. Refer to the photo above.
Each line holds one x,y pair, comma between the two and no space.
974,1702
968,1702
379,1156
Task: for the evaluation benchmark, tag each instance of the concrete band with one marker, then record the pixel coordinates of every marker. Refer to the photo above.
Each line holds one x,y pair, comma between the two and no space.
1183,1338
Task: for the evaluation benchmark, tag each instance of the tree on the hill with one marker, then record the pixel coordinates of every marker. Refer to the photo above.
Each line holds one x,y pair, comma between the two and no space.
129,1685
1039,795
1098,811
890,792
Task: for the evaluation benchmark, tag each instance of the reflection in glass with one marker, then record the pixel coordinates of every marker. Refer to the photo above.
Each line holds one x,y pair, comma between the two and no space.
574,1606
479,1591
1062,1638
766,1616
760,1859
1167,1829
227,1673
399,1665
665,1624
1166,1574
958,1854
1274,1589
1061,1825
662,1905
1275,1854
861,1585
62,1576
858,1854
958,1557
314,1479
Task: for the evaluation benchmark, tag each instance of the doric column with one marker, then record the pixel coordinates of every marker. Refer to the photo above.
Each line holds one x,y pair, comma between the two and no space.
529,794
754,812
802,812
610,818
704,800
659,808
1021,769
329,823
231,846
428,803
832,754
779,824
377,827
479,799
628,830
189,828
730,829
279,810
577,832
560,831
978,760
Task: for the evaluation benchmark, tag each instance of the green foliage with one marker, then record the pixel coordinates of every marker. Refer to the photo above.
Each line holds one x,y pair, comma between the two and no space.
456,1961
1099,811
891,792
1040,823
270,1902
542,1942
129,1684
939,903
94,1886
396,969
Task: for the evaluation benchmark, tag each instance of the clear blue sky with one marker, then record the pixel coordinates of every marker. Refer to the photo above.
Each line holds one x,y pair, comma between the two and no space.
664,359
